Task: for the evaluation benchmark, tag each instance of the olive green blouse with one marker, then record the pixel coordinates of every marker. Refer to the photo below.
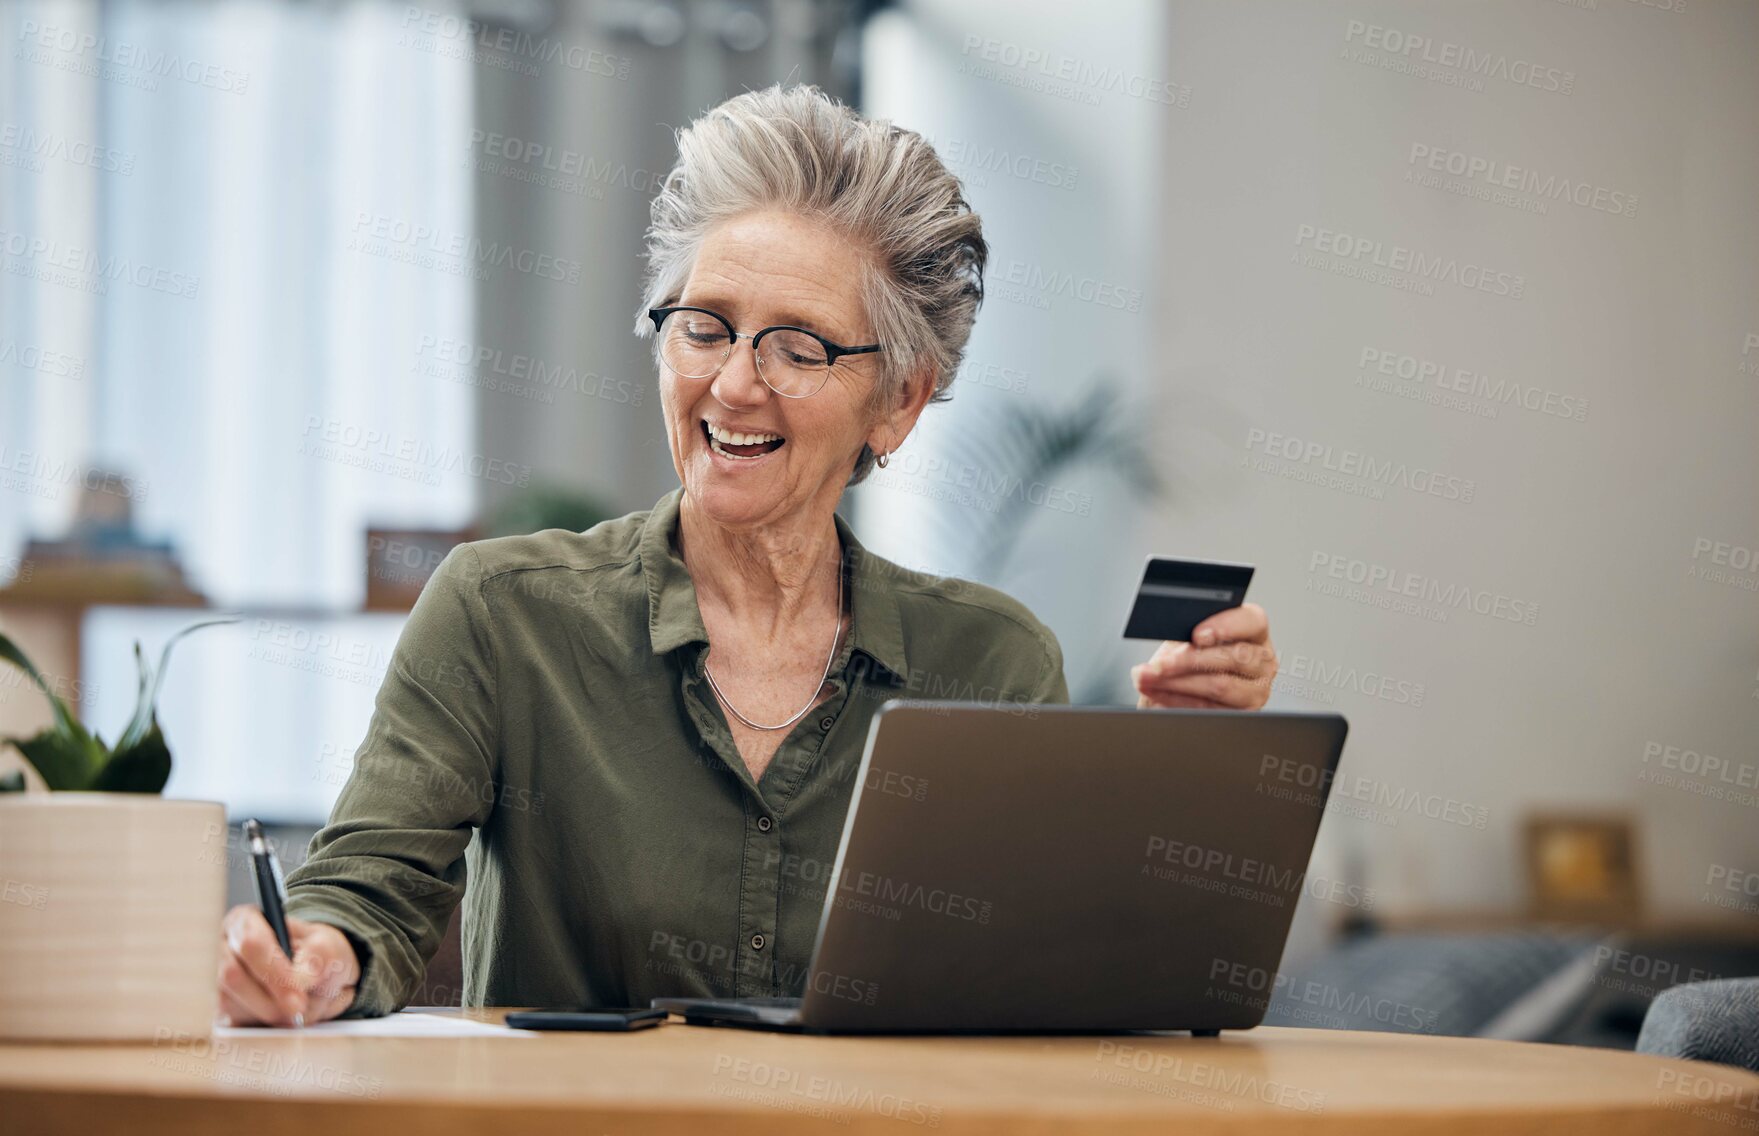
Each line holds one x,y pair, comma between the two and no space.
544,730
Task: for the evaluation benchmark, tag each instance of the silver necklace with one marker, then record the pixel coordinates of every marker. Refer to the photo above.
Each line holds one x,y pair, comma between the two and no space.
836,634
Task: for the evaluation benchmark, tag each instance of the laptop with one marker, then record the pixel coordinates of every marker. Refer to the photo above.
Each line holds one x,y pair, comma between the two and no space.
1060,869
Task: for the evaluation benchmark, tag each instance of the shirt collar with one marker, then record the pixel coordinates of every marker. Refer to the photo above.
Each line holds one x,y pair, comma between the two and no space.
673,618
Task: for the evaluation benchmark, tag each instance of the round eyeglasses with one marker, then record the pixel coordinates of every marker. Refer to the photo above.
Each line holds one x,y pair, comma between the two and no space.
695,343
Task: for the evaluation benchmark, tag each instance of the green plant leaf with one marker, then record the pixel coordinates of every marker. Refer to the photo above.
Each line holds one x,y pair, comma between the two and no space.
64,754
547,506
70,758
146,705
143,767
67,759
11,653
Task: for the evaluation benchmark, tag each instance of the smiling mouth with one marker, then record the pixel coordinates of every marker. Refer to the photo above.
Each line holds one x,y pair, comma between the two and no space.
739,446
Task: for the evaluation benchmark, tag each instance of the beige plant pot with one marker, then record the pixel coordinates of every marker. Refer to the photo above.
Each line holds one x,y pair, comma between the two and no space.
110,907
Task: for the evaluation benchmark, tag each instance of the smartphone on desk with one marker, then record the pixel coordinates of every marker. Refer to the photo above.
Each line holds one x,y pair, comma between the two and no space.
593,1019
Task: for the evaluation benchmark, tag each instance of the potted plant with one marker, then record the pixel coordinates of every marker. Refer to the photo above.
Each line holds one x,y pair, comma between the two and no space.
110,896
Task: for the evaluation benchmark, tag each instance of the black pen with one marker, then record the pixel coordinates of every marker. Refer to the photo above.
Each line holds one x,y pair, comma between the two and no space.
271,892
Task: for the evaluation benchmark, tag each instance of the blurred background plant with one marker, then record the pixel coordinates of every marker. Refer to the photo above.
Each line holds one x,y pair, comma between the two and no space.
69,757
1029,446
546,506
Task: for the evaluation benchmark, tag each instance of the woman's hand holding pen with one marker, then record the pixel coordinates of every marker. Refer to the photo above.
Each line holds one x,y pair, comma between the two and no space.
259,985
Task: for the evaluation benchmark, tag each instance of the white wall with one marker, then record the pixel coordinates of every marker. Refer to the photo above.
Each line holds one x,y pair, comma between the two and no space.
1055,121
1647,315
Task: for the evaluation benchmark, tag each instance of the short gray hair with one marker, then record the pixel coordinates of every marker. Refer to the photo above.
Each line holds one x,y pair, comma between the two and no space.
884,187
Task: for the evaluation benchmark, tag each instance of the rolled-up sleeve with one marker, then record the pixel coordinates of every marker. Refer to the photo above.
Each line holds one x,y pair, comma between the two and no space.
388,868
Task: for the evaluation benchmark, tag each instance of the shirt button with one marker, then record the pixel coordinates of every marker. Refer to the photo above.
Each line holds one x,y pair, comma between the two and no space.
826,722
764,824
757,942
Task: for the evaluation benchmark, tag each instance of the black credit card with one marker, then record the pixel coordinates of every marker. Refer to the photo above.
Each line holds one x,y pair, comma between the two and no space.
1177,595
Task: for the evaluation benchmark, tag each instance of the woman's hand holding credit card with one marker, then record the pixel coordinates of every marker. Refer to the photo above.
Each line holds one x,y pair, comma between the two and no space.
1215,651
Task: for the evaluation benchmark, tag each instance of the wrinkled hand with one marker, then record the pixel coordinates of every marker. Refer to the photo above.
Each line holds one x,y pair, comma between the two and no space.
1229,665
260,986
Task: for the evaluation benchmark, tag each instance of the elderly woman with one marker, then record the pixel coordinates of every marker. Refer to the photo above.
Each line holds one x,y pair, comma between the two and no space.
652,727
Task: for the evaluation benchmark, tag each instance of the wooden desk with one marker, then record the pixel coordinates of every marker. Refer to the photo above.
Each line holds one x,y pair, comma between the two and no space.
685,1079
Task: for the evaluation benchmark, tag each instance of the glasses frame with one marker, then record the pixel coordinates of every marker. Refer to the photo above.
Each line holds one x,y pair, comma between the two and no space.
833,351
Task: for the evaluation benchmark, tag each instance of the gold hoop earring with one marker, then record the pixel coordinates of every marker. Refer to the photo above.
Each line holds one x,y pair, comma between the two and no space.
881,460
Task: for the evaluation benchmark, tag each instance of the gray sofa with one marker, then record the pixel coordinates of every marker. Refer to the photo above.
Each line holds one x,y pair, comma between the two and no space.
1706,1021
1668,993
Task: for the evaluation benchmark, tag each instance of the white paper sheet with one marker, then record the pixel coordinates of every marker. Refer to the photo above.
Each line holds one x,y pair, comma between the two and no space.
405,1024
